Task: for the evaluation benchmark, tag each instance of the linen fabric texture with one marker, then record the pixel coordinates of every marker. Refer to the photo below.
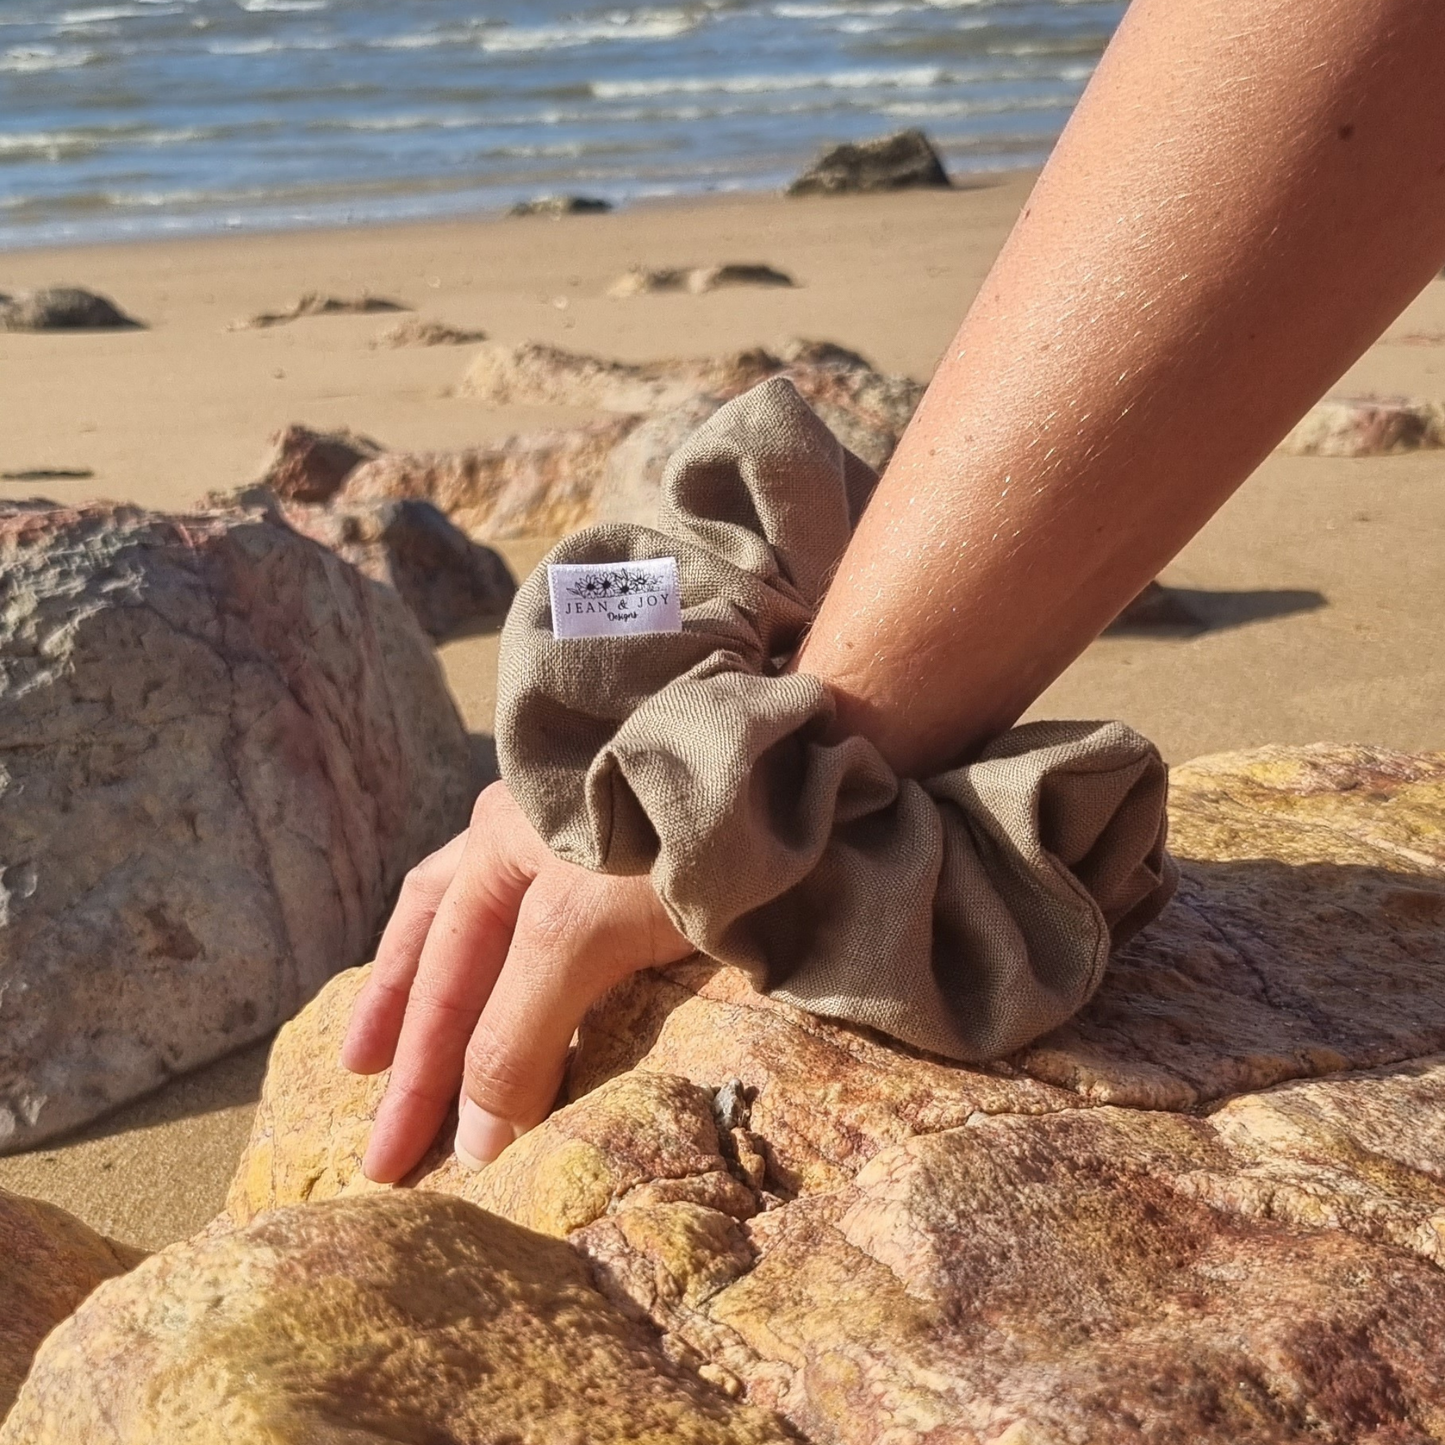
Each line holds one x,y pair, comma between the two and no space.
965,914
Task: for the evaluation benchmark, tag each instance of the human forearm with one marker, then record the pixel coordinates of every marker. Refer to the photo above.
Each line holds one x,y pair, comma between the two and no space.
1246,196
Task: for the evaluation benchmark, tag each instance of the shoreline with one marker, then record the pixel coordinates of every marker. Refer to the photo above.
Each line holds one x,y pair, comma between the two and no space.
962,182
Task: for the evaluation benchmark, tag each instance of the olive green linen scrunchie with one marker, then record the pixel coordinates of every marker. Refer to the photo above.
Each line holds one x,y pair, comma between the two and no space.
965,914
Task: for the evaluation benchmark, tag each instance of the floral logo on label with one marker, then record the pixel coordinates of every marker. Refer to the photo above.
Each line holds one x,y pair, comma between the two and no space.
612,582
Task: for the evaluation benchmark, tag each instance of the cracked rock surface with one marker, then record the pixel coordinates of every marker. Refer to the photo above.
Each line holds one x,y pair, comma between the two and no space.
220,749
1211,1208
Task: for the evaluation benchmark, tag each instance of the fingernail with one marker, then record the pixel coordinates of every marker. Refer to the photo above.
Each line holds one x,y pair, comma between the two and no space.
481,1136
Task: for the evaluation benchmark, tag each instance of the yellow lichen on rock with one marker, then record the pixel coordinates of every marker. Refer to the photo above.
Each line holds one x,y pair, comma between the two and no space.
1210,1207
400,1316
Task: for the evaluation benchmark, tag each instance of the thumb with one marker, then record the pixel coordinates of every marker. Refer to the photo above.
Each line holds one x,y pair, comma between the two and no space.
577,935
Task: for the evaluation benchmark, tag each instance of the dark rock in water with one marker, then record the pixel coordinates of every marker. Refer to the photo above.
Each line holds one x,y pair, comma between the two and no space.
313,303
310,466
63,308
557,206
441,574
893,163
222,750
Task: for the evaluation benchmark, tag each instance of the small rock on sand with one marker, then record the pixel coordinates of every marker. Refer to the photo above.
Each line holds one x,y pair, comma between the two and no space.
892,163
63,308
48,474
1367,426
310,466
558,206
313,303
414,331
695,280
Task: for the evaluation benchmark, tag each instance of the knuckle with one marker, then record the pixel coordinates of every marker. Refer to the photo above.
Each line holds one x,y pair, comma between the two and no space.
490,804
494,1074
438,999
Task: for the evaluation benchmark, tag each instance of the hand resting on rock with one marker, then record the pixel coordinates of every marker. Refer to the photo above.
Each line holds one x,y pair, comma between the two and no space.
494,953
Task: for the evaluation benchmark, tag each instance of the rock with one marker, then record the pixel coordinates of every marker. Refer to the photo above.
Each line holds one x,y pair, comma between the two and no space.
640,1136
535,374
696,280
558,206
401,1317
446,579
1366,426
416,332
892,163
1210,1208
48,474
865,408
313,303
539,484
49,1262
310,466
611,471
62,308
222,748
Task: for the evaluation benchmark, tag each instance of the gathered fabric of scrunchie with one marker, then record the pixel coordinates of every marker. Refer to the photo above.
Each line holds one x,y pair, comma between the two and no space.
965,913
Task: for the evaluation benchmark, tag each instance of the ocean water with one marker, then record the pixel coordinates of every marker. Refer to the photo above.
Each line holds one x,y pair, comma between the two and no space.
158,117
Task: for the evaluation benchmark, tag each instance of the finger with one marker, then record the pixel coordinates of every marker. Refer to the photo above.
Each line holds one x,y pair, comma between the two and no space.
460,960
577,935
378,1012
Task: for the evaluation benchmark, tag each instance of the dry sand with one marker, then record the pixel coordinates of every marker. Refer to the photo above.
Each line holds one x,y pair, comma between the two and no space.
1324,579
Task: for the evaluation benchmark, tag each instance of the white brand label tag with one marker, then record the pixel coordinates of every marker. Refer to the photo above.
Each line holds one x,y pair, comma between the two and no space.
614,599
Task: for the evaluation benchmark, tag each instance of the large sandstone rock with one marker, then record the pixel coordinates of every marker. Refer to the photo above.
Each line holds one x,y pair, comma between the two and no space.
49,1262
63,308
1366,426
1211,1208
399,1318
611,470
220,749
891,163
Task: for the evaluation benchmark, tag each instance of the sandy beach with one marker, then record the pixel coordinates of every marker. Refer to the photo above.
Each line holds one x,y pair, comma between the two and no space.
1321,582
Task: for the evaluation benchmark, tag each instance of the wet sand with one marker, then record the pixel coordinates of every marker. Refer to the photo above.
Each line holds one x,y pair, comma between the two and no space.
1321,583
